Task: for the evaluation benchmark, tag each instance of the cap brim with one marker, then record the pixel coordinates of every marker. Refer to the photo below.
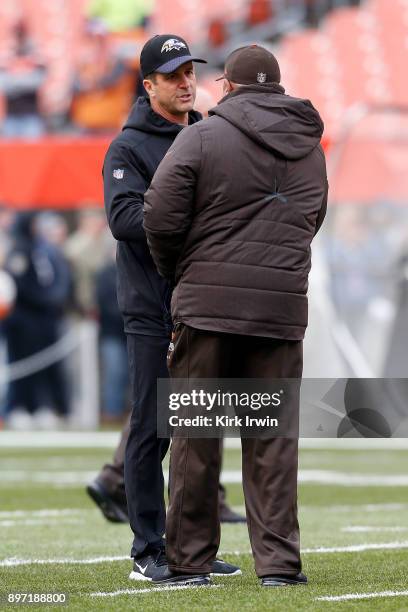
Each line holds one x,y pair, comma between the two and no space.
175,63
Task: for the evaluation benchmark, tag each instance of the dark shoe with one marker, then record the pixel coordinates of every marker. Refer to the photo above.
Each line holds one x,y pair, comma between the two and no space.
227,515
222,568
148,567
112,508
164,575
277,580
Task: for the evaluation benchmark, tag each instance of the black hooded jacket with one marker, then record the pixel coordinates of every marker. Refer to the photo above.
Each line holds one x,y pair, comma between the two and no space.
131,160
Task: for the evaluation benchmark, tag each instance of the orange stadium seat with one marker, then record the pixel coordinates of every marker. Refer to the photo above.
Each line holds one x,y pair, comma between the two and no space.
360,55
191,19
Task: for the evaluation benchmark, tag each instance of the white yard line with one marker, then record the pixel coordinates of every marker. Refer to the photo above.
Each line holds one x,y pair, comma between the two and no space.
351,596
62,478
370,529
153,590
45,512
357,548
59,439
39,522
78,478
361,508
347,479
102,439
13,562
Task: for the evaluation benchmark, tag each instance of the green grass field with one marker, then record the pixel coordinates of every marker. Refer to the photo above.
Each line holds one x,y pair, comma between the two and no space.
354,536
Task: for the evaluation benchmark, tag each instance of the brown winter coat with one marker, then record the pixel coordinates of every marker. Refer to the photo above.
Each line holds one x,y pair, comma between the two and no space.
232,210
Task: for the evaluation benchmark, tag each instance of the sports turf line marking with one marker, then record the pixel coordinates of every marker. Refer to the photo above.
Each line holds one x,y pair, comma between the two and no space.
350,596
99,439
13,562
327,477
45,512
39,522
369,529
153,590
357,548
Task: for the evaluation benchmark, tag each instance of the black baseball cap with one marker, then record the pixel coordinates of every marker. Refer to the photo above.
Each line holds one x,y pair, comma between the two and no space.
251,65
165,53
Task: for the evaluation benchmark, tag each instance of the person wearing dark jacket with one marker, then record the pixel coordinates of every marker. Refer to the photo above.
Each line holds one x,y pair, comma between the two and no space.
143,296
229,218
43,282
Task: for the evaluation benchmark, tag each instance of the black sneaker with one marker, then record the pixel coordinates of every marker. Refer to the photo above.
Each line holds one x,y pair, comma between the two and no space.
222,568
148,567
112,508
277,580
227,515
164,575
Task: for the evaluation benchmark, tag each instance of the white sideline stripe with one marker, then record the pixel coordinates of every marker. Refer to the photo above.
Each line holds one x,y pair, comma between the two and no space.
326,477
357,548
60,478
344,479
103,439
59,439
154,589
53,512
38,522
369,529
350,596
359,508
13,562
41,513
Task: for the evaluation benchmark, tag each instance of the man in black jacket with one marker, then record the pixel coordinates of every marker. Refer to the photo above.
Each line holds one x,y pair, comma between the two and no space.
143,296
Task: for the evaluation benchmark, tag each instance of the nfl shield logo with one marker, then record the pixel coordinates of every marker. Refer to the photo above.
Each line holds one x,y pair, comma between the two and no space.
261,78
118,174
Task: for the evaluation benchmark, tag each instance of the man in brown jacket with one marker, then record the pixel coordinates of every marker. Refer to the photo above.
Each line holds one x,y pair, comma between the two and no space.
229,218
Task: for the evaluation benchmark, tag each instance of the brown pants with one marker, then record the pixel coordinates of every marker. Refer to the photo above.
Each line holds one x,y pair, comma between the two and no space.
269,466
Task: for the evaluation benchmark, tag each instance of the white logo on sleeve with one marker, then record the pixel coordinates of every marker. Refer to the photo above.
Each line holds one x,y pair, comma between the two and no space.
173,43
118,173
261,77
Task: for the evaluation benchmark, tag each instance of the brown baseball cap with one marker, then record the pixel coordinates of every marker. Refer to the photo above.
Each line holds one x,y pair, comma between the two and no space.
251,65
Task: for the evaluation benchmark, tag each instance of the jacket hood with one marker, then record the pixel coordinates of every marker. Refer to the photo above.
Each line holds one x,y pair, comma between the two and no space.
142,117
290,127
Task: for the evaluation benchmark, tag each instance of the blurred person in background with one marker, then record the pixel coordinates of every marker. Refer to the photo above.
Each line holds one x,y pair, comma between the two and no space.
357,257
7,294
144,297
20,83
112,342
43,284
103,84
121,15
86,258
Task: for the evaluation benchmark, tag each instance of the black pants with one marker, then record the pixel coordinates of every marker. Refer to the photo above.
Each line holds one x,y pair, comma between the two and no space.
144,480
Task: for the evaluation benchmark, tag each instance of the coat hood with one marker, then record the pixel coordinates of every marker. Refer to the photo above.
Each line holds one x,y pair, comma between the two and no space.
142,117
290,127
